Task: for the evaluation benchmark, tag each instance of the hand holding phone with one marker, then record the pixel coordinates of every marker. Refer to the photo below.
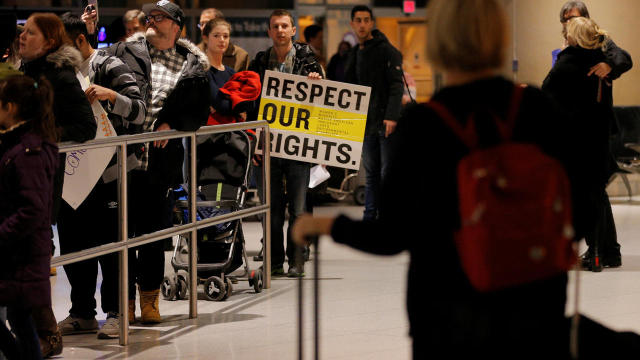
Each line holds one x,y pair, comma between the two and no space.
90,16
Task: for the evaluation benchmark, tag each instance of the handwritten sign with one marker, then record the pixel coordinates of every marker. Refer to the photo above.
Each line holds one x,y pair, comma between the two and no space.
316,121
83,168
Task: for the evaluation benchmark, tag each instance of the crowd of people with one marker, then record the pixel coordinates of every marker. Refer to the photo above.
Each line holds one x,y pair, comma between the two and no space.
156,80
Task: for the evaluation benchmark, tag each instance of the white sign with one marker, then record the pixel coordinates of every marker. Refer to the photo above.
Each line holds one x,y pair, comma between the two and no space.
83,168
316,121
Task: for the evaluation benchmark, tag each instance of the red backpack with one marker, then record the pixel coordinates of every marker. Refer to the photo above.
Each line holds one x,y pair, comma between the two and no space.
515,207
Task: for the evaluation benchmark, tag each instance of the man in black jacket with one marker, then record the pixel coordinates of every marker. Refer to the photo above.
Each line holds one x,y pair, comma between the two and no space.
178,99
293,58
375,63
617,62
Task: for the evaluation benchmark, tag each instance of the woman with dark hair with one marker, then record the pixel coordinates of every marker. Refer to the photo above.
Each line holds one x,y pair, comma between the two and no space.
587,106
335,69
28,155
47,52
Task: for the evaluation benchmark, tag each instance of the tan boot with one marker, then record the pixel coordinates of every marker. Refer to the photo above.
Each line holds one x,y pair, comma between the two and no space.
132,311
149,306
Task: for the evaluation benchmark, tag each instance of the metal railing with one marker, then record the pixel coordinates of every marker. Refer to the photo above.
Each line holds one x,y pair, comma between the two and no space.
125,243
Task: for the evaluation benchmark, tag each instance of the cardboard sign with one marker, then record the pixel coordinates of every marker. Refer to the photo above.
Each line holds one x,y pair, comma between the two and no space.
83,168
315,121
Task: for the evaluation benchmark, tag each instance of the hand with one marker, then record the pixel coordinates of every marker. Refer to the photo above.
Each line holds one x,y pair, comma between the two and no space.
314,76
90,19
256,160
307,226
601,70
389,127
243,116
162,143
96,92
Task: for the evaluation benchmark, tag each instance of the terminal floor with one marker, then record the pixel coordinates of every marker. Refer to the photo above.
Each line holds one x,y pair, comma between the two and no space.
362,308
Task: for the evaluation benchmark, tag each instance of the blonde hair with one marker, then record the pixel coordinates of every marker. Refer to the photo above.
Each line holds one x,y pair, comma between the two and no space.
466,35
586,33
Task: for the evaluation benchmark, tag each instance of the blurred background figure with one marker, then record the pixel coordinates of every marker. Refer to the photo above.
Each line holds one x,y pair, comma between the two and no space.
314,36
134,21
337,63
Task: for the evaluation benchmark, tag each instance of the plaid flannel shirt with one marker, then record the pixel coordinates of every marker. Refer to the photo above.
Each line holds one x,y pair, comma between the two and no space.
166,68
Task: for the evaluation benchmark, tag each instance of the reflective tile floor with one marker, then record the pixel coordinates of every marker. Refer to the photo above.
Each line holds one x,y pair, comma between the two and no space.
362,312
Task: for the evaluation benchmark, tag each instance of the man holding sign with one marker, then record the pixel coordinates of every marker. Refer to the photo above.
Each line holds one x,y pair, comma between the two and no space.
287,57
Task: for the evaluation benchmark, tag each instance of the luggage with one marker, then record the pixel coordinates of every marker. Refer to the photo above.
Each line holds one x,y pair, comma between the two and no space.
514,204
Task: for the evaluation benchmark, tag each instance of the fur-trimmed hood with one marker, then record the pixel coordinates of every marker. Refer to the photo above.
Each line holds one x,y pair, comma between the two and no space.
66,55
184,43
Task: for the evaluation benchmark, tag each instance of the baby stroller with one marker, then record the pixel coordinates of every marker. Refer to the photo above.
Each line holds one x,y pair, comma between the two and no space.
222,167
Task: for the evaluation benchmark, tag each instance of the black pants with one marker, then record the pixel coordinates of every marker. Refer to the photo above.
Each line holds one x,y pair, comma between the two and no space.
93,223
150,209
603,230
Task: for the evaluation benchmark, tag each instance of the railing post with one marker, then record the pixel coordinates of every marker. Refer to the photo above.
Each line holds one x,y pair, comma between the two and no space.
124,236
266,228
193,239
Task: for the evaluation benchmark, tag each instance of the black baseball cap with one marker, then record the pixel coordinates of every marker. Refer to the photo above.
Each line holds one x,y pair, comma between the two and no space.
172,10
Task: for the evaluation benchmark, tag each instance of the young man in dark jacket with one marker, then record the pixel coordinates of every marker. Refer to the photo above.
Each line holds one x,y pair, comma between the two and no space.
615,62
375,63
293,58
114,85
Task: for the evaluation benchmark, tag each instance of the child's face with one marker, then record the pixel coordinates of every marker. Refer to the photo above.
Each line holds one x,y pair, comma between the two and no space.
6,115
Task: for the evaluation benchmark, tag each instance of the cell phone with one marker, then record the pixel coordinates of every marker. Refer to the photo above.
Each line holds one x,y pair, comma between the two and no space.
92,5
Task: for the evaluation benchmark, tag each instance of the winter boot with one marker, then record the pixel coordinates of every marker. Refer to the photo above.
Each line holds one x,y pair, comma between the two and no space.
149,306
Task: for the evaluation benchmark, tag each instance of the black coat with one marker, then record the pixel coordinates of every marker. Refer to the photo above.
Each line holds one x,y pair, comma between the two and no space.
589,121
27,168
445,312
378,65
71,108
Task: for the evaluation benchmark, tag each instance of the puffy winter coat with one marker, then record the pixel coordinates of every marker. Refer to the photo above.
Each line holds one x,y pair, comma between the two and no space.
27,168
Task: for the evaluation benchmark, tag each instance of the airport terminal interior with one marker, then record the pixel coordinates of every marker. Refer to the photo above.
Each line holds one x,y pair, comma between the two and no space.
362,299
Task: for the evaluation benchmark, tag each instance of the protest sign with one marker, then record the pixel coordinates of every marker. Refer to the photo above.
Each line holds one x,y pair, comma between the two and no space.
316,121
83,168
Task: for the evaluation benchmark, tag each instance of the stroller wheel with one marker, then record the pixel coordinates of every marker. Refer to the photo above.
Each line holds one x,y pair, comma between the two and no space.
169,287
182,291
257,281
229,287
214,289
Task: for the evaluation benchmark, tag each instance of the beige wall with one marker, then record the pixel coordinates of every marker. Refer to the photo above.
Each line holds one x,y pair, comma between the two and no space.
537,33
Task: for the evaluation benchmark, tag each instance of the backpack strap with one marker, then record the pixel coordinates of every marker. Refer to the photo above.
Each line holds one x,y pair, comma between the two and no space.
468,134
506,127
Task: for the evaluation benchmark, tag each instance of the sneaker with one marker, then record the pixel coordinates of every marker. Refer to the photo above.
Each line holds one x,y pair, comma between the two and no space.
277,271
295,271
76,325
51,344
111,328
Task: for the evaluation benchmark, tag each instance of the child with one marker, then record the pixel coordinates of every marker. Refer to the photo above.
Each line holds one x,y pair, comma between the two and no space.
28,161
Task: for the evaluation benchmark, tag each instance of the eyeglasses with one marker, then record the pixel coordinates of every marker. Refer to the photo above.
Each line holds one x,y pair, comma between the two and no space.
156,18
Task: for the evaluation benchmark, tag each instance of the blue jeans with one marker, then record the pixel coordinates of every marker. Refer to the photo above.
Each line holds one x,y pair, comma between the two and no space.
375,159
26,344
289,183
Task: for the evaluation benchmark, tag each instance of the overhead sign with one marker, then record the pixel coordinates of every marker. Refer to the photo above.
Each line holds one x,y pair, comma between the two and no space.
409,6
316,121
